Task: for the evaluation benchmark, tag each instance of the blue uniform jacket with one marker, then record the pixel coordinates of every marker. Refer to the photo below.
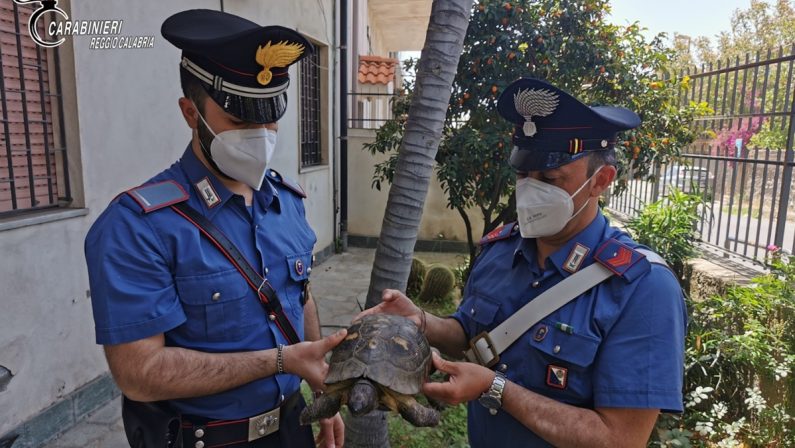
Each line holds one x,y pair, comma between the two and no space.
153,273
621,344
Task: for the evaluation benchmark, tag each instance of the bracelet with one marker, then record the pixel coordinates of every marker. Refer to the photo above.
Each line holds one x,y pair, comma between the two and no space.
280,359
423,322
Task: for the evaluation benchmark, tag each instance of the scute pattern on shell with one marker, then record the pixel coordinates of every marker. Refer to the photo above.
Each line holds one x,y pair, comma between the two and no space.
387,349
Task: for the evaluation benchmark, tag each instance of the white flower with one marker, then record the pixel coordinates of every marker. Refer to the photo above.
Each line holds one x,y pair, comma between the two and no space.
698,395
729,442
705,428
719,410
755,401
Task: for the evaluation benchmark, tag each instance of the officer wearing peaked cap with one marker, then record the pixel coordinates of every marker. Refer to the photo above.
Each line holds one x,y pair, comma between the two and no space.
574,333
199,277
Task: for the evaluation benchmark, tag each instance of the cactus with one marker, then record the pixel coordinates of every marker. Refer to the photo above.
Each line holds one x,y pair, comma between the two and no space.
439,281
416,277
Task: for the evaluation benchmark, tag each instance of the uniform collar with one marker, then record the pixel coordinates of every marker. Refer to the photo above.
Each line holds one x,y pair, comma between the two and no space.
572,256
212,200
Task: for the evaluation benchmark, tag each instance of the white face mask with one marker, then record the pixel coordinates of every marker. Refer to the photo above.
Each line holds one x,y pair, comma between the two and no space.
243,154
544,209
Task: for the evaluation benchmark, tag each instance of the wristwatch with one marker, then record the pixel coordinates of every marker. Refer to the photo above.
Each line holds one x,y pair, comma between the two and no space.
492,398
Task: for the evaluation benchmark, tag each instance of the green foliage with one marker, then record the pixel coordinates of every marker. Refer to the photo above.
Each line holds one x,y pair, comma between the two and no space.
416,277
668,227
739,387
439,283
570,44
767,138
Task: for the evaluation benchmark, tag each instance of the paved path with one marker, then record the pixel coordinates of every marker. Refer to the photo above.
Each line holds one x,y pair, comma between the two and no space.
338,284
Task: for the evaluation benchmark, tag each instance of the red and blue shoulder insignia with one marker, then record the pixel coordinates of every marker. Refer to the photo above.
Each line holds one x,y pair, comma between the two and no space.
500,233
621,259
158,195
288,183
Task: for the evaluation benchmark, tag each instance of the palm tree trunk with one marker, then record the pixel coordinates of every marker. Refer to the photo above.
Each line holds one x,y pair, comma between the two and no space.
435,72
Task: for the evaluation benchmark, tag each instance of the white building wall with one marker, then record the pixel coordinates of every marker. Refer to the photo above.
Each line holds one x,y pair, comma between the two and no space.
130,129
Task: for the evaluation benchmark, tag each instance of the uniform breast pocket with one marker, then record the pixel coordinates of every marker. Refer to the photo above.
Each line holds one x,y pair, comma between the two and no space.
299,266
482,313
566,359
217,306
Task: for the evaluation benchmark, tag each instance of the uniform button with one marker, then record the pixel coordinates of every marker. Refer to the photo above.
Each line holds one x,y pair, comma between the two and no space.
503,367
199,433
556,349
308,270
216,296
536,283
266,271
472,311
515,227
281,398
199,444
272,317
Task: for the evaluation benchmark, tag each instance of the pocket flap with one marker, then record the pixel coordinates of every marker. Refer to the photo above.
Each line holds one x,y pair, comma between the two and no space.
573,348
213,288
482,309
299,266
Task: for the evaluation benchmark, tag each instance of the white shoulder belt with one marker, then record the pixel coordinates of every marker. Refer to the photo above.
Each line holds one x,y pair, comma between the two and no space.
486,347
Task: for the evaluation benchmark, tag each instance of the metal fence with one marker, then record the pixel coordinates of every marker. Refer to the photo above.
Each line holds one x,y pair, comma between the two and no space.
369,110
742,162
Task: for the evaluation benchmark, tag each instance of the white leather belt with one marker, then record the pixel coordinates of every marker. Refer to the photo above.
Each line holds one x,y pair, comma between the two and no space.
486,347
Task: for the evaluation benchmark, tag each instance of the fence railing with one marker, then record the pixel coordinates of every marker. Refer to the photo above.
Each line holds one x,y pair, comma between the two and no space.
369,110
742,163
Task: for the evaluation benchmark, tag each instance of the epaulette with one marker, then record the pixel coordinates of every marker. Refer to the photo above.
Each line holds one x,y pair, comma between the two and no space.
159,195
500,233
286,182
622,260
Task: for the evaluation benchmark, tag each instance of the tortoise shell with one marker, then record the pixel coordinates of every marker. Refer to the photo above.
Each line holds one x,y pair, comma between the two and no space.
386,349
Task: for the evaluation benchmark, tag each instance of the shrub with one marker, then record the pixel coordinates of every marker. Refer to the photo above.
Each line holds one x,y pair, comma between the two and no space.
739,387
668,227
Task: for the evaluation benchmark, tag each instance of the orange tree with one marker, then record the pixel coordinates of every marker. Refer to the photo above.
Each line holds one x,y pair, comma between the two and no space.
570,44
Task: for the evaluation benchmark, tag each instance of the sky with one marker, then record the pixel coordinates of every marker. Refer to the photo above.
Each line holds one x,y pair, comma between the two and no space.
691,17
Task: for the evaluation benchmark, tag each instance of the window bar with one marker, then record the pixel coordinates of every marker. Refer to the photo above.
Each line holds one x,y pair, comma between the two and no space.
62,131
12,183
741,204
23,95
44,130
732,109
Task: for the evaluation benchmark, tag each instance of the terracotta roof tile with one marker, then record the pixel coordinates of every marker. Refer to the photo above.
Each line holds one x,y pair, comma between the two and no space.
376,69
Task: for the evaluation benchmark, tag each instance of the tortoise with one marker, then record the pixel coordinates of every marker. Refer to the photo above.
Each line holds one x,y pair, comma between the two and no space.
382,363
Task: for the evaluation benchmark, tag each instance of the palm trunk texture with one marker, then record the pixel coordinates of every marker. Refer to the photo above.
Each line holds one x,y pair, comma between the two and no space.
437,67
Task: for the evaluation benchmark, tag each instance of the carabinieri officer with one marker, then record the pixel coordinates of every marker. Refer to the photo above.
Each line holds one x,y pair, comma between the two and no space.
599,350
199,277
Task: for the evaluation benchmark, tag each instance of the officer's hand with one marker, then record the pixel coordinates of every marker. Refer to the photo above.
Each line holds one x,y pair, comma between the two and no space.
308,359
467,381
332,432
395,302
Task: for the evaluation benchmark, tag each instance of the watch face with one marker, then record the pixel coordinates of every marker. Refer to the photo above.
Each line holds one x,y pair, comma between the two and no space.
490,402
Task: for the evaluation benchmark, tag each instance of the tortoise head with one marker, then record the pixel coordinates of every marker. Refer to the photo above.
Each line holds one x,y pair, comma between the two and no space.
363,398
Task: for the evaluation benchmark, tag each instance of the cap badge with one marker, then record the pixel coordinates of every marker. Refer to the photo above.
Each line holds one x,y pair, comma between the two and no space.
534,103
276,55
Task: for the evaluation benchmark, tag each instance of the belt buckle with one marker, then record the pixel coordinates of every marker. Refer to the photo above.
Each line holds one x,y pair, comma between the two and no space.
495,358
262,425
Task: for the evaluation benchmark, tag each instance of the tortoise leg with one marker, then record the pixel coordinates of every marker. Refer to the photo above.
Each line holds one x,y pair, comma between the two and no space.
417,414
324,406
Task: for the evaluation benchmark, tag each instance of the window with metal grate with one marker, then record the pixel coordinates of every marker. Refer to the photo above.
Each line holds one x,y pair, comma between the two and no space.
32,156
311,141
